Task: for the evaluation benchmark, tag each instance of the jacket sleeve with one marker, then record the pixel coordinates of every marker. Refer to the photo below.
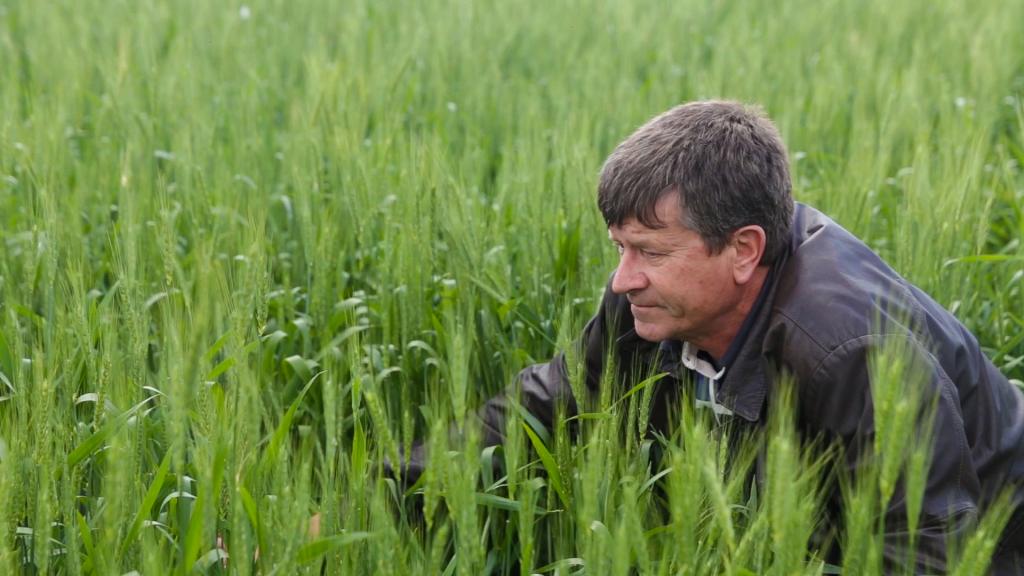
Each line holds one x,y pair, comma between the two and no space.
840,403
541,388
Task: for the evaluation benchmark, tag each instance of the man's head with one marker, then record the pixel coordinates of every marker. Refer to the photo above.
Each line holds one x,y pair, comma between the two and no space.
724,161
698,202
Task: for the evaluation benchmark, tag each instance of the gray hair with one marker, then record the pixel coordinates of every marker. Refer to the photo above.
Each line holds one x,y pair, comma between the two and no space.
725,160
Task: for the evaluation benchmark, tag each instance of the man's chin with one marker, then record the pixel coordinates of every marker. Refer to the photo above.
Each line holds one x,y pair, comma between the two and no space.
651,333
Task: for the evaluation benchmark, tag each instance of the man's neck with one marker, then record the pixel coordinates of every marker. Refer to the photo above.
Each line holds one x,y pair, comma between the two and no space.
718,347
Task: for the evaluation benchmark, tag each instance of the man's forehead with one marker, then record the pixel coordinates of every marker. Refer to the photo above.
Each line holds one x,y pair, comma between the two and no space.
635,231
665,212
631,227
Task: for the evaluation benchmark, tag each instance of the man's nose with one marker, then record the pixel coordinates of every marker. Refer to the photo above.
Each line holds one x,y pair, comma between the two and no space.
627,277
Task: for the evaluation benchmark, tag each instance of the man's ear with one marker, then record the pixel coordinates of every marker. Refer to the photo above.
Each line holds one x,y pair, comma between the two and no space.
748,244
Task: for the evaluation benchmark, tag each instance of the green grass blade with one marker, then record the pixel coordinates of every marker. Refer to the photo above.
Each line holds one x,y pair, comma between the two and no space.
147,503
313,551
554,476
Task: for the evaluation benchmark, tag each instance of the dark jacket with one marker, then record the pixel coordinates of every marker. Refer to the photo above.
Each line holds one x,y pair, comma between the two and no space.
829,304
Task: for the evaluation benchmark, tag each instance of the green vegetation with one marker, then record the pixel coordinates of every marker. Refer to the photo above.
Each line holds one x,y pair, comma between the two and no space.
251,251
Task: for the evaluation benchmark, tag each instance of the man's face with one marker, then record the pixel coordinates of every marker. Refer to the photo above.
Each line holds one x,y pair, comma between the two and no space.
677,289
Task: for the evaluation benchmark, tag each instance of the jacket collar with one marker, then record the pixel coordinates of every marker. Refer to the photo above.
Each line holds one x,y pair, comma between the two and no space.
745,386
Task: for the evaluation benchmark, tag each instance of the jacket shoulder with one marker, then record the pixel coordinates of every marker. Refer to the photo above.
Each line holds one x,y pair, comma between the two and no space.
834,291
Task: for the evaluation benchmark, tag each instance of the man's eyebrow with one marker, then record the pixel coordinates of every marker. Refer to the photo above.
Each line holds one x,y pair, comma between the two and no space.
640,243
644,241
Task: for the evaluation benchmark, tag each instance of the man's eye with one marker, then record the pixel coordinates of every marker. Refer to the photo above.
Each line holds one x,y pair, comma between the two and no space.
651,254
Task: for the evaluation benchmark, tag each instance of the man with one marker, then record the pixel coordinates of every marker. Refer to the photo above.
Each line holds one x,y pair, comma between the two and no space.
723,275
